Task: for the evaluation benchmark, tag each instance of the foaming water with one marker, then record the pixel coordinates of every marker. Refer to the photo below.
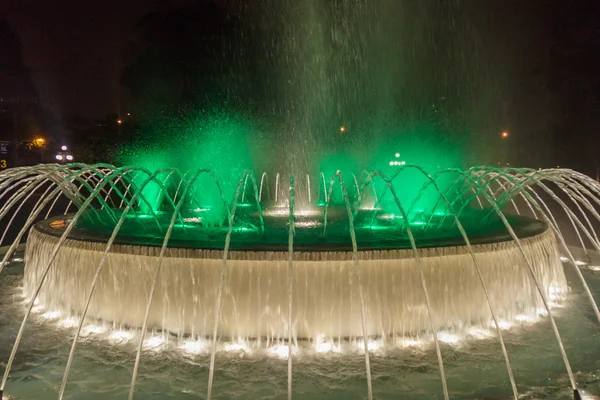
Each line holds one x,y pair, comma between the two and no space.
324,290
176,366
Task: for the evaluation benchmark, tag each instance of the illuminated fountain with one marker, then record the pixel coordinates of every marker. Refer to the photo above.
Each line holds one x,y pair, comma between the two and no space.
327,263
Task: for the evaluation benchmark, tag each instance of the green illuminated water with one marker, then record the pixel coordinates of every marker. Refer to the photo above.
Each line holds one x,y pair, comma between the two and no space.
219,141
331,92
374,230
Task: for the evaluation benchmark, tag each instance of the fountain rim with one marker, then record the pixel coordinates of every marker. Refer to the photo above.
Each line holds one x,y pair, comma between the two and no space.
303,253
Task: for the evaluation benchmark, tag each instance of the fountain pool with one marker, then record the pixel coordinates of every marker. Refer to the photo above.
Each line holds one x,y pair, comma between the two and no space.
463,297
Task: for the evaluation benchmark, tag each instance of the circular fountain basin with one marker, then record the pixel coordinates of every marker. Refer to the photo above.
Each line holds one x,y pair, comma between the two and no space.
325,286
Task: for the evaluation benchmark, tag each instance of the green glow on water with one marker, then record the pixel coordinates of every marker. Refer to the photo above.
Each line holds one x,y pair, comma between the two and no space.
391,228
141,216
329,165
244,229
379,140
381,228
181,226
215,140
152,191
424,143
390,216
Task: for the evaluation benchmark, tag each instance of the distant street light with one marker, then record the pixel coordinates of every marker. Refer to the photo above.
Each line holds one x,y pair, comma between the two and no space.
40,141
119,122
63,156
504,135
342,129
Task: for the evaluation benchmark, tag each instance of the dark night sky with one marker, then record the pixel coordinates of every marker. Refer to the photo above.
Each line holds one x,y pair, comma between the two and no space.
75,48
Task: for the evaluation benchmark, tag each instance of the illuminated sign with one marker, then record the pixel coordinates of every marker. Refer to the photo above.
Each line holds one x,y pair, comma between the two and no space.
4,148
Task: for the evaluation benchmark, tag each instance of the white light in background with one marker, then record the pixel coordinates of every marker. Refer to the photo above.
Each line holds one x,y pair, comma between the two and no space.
397,163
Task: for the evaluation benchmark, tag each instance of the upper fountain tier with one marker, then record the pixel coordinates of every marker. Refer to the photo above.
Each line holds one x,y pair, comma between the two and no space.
375,229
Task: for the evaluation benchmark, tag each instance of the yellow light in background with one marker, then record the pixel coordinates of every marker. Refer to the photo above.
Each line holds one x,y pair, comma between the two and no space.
342,129
119,121
504,135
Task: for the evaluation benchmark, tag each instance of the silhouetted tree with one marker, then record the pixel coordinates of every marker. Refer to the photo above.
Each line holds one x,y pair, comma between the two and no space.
95,140
21,117
575,82
16,84
186,55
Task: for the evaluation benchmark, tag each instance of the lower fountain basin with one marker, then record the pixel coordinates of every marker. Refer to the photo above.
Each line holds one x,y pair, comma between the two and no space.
324,288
